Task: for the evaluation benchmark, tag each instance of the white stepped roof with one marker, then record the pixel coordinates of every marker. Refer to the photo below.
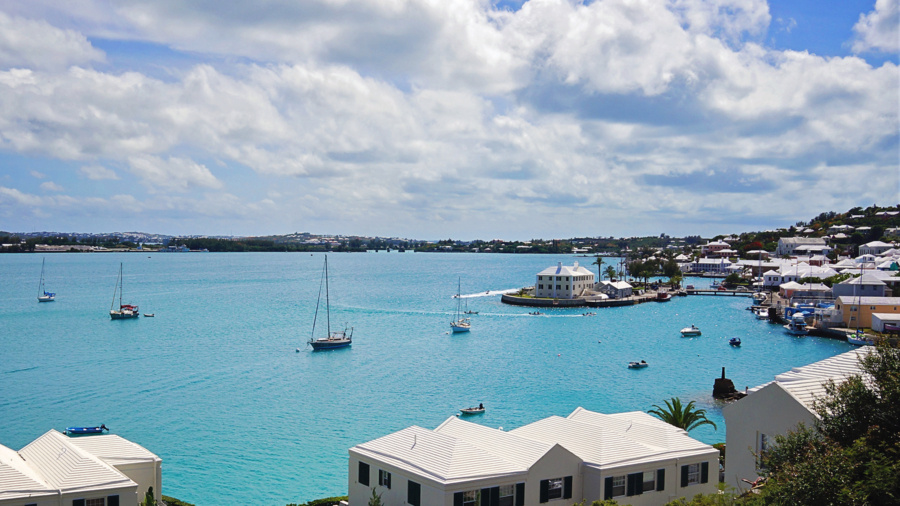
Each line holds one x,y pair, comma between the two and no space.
18,479
516,449
806,383
641,427
114,450
443,458
565,270
67,467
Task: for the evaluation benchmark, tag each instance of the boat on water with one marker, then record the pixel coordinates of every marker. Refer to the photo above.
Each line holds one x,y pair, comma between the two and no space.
761,314
536,313
125,311
860,339
735,341
473,411
43,294
690,331
663,296
637,365
332,340
149,315
759,296
460,324
81,431
797,326
467,309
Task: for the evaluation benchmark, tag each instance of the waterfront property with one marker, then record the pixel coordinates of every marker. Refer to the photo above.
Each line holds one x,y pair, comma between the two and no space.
867,285
775,408
857,311
632,457
563,282
615,289
57,470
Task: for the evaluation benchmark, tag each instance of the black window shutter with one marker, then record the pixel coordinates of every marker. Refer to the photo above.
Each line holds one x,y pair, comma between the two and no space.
112,500
495,496
704,472
684,476
413,493
567,487
520,494
78,502
388,480
485,497
629,490
363,477
660,480
380,478
458,499
545,489
638,483
607,488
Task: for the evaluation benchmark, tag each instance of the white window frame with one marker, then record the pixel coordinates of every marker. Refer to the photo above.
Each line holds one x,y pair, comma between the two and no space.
509,491
472,498
555,486
652,482
694,474
619,482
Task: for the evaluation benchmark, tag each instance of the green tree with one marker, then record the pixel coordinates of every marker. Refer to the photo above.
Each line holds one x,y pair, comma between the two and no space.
149,500
599,263
610,272
683,416
375,500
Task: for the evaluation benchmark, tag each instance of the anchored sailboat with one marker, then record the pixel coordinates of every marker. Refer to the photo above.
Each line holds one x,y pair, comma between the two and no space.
460,324
43,294
337,339
125,310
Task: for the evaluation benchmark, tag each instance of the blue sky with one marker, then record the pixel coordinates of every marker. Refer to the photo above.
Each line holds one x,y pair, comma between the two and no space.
461,118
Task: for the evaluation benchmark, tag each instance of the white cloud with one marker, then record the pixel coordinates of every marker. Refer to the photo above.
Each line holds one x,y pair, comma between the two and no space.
37,174
36,44
97,172
50,186
178,174
879,30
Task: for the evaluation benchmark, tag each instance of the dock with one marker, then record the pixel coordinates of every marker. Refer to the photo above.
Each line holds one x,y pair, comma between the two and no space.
733,293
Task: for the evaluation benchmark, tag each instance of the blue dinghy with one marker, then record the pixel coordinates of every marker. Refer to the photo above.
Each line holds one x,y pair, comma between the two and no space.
77,431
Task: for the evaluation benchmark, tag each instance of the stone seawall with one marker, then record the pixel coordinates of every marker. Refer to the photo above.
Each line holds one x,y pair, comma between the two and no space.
528,301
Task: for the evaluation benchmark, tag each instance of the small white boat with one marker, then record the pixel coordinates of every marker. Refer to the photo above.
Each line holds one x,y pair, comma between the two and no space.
473,411
637,365
797,326
860,339
759,296
761,314
149,315
536,313
690,331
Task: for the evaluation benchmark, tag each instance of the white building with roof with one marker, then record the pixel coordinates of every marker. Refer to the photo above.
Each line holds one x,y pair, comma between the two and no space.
102,470
787,245
775,408
874,248
615,289
631,457
867,285
563,282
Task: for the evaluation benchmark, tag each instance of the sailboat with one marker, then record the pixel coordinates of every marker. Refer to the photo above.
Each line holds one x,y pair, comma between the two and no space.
125,310
43,294
460,324
337,339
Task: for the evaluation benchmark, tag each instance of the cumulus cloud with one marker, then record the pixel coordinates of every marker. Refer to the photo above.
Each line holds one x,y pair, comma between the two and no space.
879,30
97,172
50,186
36,174
36,44
174,173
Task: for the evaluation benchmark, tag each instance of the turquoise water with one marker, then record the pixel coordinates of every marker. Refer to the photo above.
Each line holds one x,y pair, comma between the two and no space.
213,384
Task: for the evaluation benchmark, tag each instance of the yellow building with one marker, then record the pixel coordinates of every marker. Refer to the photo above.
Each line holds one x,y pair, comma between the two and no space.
857,311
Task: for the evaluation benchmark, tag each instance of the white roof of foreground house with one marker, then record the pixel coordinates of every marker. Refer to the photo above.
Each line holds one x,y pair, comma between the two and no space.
65,466
807,383
115,450
565,270
18,479
441,457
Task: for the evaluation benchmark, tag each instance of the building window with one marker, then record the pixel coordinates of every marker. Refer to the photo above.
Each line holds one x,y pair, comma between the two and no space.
540,287
384,478
693,474
95,502
559,287
618,488
852,308
470,498
872,308
763,450
414,493
507,495
363,476
649,481
555,490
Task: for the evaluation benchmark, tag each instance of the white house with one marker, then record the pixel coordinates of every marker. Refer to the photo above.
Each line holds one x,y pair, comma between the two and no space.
563,282
710,265
786,245
874,248
615,289
776,408
631,457
103,470
866,285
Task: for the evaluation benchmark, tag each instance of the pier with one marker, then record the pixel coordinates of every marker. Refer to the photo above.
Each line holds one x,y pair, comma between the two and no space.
733,293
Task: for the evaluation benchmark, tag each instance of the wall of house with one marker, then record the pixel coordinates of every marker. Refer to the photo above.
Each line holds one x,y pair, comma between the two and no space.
127,496
847,290
595,481
770,411
145,474
556,463
360,494
864,313
52,500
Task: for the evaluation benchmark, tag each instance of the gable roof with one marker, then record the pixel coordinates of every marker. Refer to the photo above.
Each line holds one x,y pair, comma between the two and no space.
516,449
114,450
67,467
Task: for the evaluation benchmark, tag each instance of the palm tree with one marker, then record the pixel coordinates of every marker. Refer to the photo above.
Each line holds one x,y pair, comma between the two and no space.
610,272
684,417
599,263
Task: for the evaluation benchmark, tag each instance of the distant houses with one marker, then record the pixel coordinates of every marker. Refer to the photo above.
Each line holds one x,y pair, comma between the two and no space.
631,457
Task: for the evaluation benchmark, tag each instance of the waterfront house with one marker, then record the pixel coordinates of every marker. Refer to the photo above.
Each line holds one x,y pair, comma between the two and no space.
874,248
774,409
102,470
867,285
632,457
786,245
857,311
615,289
713,265
563,282
713,248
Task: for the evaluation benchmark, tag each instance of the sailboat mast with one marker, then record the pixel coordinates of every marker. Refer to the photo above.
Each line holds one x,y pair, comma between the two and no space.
41,282
121,285
327,303
458,297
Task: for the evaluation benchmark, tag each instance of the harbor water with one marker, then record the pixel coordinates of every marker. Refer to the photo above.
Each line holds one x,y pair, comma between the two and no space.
213,383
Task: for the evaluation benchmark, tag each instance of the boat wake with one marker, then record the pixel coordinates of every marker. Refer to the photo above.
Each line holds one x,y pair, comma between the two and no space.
488,293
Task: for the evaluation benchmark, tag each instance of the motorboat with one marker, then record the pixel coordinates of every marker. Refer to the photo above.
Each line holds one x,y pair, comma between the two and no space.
797,326
536,313
637,365
473,411
860,339
149,315
589,314
332,340
125,311
690,331
735,341
43,294
81,431
762,314
663,297
759,296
